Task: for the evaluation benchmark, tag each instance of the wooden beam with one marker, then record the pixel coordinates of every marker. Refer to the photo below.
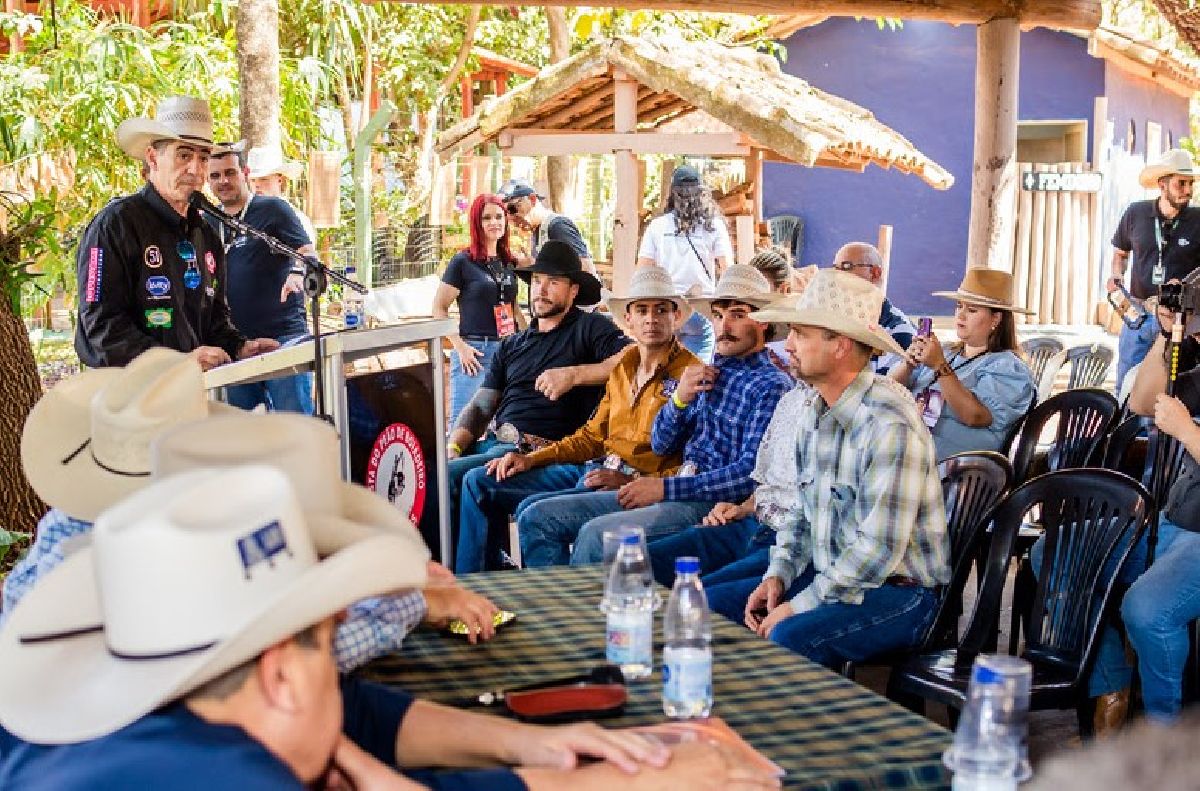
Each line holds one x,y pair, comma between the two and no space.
554,142
884,245
994,179
1073,14
574,110
628,199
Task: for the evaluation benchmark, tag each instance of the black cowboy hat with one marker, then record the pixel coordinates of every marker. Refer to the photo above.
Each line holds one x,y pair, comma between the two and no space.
560,259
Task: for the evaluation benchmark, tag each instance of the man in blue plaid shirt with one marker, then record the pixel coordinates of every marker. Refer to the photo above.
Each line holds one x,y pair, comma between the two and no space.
860,553
717,416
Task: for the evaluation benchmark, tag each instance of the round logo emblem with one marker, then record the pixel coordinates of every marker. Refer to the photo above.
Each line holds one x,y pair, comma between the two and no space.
152,256
396,470
210,262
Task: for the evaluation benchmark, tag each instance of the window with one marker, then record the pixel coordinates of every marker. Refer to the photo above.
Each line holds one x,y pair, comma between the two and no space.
1050,142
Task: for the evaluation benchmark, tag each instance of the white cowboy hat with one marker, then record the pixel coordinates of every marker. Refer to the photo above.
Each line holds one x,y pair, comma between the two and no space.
86,443
988,288
304,448
649,282
1174,161
183,118
185,580
740,283
839,302
265,160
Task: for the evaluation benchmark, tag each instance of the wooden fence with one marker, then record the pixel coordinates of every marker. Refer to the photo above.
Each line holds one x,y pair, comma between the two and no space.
1058,248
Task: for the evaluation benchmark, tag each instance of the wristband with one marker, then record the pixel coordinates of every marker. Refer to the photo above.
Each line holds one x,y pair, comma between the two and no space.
675,400
454,446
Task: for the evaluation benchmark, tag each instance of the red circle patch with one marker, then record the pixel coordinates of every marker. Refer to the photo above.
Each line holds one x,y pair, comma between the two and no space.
396,470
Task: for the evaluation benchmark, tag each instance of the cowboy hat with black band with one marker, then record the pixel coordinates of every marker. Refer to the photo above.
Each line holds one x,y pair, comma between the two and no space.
559,259
183,119
177,587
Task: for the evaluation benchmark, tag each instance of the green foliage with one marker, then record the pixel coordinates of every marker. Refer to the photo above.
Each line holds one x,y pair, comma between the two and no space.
7,540
27,233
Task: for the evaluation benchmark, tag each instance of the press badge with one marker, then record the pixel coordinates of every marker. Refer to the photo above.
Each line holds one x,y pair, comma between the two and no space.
505,323
1159,275
930,403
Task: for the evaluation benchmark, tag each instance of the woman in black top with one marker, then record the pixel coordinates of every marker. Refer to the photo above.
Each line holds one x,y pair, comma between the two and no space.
481,279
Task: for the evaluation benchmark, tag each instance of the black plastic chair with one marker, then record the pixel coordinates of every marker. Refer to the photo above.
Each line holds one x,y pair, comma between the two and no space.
971,484
1038,352
1089,516
1083,419
787,231
1118,451
1089,365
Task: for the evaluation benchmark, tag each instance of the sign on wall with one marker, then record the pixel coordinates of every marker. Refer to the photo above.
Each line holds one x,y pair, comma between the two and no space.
1045,181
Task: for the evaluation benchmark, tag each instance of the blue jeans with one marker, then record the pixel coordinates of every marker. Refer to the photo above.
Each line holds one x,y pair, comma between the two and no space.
725,596
698,337
890,618
549,525
486,503
478,455
462,384
716,547
1110,672
1132,346
286,394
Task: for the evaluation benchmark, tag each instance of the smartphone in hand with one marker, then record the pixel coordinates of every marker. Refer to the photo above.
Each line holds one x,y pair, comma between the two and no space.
925,327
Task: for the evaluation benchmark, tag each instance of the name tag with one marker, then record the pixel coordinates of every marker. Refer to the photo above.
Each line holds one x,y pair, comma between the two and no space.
506,324
930,403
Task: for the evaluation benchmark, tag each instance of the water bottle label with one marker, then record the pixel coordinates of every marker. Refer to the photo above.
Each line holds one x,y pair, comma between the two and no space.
627,638
353,320
687,676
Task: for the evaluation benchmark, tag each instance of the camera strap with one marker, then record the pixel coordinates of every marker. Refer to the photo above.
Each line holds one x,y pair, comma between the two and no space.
1159,276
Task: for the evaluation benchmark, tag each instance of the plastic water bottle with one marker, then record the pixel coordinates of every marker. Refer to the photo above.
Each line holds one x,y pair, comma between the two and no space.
353,311
687,653
985,754
629,602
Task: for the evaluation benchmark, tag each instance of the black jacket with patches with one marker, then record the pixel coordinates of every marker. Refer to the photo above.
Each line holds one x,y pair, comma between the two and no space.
139,288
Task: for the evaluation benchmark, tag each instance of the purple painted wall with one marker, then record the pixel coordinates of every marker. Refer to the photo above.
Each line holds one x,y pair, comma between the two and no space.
1142,100
920,80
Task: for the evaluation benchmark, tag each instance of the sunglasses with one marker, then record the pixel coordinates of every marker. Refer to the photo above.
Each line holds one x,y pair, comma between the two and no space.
512,206
849,266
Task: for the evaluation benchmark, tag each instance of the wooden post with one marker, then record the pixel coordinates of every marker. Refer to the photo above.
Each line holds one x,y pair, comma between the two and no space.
884,246
744,234
994,179
625,234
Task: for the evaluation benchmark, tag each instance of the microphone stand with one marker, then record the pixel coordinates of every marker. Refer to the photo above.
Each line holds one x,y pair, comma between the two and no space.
316,280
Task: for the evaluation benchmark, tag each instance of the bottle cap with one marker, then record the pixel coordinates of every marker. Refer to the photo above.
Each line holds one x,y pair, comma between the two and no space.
687,565
985,675
632,538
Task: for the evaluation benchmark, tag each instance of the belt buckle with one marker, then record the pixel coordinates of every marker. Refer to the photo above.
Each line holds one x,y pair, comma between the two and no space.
508,433
689,468
612,462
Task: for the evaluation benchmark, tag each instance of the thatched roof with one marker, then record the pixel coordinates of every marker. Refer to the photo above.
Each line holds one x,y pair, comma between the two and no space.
744,89
1185,16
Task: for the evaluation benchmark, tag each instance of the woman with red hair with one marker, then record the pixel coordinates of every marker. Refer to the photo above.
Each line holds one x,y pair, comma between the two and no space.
480,278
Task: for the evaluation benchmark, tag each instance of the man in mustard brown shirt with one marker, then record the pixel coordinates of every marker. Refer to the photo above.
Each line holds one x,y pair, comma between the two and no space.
610,450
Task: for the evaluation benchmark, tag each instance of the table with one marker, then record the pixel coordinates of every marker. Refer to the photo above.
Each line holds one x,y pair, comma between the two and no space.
826,731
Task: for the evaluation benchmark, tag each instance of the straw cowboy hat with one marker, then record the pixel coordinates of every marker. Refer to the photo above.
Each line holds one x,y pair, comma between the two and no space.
988,288
263,161
182,118
839,302
86,443
739,283
560,259
649,282
1175,161
178,586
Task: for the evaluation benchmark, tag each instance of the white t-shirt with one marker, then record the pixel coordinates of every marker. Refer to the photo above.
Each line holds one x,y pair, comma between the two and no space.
672,251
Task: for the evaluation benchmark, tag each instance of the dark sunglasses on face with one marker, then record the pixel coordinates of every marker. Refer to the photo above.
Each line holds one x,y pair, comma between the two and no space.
511,206
848,266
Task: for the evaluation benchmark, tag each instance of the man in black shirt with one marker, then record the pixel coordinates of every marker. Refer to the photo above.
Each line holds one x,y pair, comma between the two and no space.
150,271
1156,240
265,289
544,381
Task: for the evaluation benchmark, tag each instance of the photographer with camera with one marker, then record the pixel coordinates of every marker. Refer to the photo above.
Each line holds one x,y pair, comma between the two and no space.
1165,598
1156,240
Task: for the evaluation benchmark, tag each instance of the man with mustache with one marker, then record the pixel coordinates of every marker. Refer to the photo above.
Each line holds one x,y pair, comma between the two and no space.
716,417
544,381
150,271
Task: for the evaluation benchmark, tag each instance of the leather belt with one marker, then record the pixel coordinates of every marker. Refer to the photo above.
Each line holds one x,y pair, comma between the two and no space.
525,442
901,581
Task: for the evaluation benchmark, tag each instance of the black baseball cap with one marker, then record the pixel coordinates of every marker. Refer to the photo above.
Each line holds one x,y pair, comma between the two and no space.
685,176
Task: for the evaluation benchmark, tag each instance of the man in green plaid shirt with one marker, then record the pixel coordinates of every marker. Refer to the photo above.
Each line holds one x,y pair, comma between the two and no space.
858,560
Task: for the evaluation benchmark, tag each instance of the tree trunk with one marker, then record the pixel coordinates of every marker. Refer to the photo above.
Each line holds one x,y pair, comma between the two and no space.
20,508
258,70
422,192
558,169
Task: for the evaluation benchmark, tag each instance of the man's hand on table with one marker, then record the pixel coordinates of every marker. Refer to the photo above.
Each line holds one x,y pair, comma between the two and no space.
562,747
210,357
444,603
257,346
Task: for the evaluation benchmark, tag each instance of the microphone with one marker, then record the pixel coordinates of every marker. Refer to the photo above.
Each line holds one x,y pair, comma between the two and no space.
201,203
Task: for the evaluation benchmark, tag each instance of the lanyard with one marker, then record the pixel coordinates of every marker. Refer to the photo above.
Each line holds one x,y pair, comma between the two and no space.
1159,275
241,216
500,278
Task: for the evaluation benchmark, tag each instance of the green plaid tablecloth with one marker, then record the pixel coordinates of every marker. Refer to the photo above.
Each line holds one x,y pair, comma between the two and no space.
826,731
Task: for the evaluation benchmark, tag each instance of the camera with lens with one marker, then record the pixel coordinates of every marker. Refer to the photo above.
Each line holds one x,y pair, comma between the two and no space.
1181,297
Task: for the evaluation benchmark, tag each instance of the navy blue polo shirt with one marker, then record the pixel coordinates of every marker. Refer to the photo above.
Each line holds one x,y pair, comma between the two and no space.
482,285
256,275
1135,235
580,339
174,749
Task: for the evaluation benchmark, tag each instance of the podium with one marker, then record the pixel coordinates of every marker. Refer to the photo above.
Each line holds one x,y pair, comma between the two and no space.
390,423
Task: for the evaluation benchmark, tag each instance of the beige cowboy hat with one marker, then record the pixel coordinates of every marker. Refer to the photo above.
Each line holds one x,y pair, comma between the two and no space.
187,579
86,443
649,282
266,160
183,118
839,302
988,288
740,283
1174,161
